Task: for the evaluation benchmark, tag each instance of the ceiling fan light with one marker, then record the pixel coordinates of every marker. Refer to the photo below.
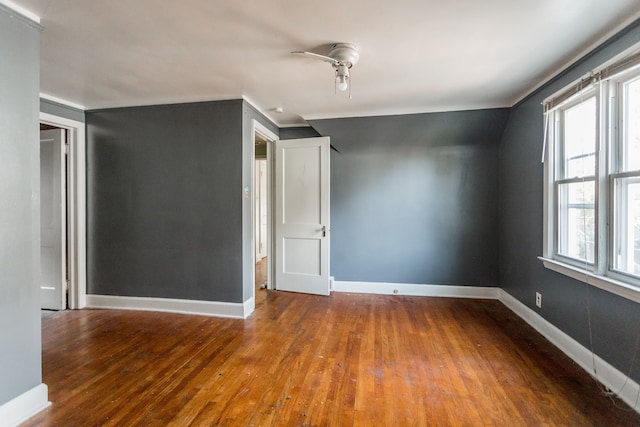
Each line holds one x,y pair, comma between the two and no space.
342,77
342,83
342,56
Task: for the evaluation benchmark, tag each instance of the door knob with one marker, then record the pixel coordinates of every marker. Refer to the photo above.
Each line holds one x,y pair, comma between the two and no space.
324,231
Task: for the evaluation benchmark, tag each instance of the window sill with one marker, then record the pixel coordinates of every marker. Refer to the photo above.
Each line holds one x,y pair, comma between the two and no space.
616,287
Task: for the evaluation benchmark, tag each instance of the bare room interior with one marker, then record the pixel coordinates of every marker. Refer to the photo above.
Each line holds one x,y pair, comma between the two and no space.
319,213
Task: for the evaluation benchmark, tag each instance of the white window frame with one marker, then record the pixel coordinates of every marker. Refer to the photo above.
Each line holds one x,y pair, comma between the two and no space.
616,173
560,178
606,83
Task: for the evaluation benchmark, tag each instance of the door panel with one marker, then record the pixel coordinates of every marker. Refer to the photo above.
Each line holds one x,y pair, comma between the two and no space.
302,185
52,220
302,256
302,215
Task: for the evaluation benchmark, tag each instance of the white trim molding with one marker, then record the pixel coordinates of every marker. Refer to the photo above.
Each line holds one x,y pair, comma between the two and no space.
25,406
170,305
22,11
383,288
62,101
609,376
248,307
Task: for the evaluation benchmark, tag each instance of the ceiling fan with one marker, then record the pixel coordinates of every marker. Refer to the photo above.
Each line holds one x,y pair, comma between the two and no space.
342,56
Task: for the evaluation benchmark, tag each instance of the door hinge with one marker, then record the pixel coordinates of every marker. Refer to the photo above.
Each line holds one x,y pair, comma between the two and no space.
66,149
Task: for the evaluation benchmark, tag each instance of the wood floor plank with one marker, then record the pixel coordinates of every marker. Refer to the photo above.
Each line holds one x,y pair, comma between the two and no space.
304,360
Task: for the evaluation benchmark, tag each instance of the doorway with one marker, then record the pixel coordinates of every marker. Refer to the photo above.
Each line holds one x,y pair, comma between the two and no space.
262,205
76,208
261,216
307,188
54,242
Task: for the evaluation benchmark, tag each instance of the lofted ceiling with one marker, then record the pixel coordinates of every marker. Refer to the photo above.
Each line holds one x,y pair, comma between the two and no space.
415,55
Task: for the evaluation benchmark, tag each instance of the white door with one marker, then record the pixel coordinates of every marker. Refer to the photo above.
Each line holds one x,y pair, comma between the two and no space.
302,215
52,220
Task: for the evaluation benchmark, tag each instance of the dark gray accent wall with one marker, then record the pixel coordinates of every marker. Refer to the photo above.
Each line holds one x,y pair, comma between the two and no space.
414,198
249,114
165,205
298,132
60,110
20,342
615,321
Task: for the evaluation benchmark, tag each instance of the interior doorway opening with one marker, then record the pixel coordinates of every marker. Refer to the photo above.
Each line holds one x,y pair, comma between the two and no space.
54,218
76,208
261,215
263,141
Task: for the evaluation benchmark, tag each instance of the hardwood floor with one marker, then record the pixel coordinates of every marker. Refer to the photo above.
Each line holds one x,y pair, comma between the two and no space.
302,360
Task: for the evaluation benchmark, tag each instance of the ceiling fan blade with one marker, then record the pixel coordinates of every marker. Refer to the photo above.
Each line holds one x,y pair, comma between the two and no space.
316,56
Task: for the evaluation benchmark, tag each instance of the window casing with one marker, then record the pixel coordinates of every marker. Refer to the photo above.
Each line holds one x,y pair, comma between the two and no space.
592,177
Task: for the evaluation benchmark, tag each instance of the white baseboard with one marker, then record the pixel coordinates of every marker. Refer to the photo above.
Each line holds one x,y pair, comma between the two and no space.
606,374
25,406
248,307
205,308
417,290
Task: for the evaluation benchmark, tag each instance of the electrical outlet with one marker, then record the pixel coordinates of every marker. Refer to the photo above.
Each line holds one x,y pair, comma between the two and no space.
538,300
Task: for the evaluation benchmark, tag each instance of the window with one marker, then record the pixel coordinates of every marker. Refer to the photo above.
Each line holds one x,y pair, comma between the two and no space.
626,183
592,177
575,180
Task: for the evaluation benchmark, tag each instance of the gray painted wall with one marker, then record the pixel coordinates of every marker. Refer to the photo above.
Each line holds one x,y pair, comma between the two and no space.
298,132
20,342
414,198
164,214
56,109
615,321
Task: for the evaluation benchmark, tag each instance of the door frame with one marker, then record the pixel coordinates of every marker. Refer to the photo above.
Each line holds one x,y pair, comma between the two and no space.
76,208
259,128
261,163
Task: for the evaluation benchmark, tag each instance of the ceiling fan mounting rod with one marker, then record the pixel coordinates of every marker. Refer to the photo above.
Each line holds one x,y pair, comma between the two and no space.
344,53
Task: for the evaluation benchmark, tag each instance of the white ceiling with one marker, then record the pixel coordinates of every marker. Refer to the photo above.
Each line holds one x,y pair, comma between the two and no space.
415,55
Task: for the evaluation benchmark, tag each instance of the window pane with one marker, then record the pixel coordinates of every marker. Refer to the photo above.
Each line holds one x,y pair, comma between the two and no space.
627,225
631,141
576,220
579,142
